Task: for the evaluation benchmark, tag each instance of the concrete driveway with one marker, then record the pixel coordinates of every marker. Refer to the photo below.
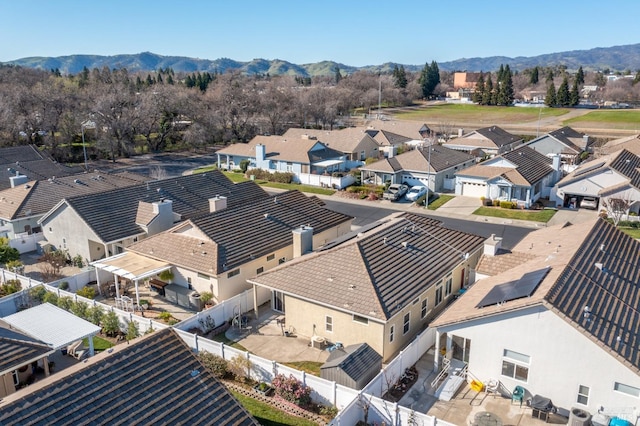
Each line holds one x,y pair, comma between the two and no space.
460,206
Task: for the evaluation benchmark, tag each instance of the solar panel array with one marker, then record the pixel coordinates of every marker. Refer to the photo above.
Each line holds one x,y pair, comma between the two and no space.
523,287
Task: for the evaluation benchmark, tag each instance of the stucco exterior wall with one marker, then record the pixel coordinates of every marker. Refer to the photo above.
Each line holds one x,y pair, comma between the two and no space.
65,229
561,358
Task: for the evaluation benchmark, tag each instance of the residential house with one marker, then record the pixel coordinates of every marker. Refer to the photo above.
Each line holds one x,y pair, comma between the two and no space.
22,205
566,142
156,379
379,286
414,130
434,166
217,252
613,176
102,224
307,158
485,142
29,161
18,353
522,175
354,142
465,80
564,323
630,143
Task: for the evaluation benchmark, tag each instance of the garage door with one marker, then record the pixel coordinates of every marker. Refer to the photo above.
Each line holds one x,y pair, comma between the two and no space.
474,189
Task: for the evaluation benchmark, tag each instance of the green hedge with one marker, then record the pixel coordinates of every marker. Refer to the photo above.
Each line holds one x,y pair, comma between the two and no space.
280,177
508,204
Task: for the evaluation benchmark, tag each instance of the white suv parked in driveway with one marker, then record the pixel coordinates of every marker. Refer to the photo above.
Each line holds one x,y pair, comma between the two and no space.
589,203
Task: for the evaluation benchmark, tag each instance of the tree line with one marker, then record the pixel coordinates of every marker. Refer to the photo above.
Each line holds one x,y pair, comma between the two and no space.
121,113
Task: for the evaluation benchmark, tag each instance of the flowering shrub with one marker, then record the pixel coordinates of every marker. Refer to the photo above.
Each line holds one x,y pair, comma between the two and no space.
292,390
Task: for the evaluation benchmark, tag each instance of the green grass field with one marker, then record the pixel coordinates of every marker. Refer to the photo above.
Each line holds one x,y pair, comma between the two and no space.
632,232
479,113
608,118
99,344
267,415
532,215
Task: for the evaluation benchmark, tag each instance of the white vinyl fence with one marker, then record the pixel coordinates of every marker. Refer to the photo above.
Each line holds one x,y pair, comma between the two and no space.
351,403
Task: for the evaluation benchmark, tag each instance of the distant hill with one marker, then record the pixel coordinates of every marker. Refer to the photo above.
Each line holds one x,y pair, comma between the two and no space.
617,58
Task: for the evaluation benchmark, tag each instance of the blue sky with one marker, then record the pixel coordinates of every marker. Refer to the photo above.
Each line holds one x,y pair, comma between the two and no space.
351,32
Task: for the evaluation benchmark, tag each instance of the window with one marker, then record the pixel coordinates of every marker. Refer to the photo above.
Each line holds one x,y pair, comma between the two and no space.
416,300
328,324
233,273
16,379
406,323
259,270
203,276
271,257
362,320
392,330
583,395
282,260
363,155
447,286
438,295
629,390
64,243
423,309
515,365
289,167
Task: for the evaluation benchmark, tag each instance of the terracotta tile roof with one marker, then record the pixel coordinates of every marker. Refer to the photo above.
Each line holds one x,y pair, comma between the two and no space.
18,349
502,261
155,380
630,143
344,140
375,275
28,160
592,264
189,194
229,238
480,170
297,150
38,197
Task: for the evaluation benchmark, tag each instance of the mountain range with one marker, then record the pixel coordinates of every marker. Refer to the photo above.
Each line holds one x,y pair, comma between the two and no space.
617,58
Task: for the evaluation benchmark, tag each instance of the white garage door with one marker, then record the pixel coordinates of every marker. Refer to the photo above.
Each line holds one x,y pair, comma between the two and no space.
474,189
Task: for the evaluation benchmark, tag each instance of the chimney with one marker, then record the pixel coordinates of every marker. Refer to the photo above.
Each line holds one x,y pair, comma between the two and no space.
18,180
585,142
261,152
492,245
302,240
217,203
556,162
460,132
164,217
392,151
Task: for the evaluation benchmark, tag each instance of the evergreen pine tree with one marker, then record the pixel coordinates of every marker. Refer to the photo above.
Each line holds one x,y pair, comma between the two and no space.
429,79
533,79
636,79
488,92
500,75
506,87
170,79
479,90
574,94
402,78
550,99
580,76
562,97
338,76
549,75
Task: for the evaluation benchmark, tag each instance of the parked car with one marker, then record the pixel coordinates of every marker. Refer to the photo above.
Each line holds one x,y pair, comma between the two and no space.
416,192
589,203
395,191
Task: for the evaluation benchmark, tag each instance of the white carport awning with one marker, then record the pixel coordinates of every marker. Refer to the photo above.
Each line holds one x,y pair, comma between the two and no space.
327,163
131,266
52,325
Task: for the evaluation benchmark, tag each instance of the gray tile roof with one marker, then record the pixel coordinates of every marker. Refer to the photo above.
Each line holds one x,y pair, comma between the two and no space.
112,214
498,135
38,197
155,380
571,138
237,235
531,165
375,275
355,360
29,161
604,274
17,349
627,164
417,160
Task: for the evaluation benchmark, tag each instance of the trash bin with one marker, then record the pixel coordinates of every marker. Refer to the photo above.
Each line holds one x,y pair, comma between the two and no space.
195,301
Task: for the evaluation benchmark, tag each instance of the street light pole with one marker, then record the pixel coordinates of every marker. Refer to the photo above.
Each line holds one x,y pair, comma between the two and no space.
84,149
426,200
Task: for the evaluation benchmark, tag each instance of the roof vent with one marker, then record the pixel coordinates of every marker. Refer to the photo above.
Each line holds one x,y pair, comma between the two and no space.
384,241
352,286
266,215
405,244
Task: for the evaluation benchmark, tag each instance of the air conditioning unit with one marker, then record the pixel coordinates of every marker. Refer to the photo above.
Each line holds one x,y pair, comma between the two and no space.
579,417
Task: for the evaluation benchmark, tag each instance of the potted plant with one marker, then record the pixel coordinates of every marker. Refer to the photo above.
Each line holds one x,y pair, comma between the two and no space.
166,275
264,388
206,298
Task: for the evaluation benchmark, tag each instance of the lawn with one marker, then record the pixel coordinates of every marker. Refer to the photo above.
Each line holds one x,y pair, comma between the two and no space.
267,415
608,117
632,232
311,367
99,344
478,113
440,201
533,215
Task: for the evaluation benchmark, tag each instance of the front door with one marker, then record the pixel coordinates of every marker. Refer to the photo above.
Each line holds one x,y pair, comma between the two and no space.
277,301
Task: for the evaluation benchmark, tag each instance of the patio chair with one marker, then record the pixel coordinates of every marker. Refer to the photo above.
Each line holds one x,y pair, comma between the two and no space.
71,348
518,394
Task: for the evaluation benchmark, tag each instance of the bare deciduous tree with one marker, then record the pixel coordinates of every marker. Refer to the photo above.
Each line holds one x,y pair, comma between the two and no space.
617,207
